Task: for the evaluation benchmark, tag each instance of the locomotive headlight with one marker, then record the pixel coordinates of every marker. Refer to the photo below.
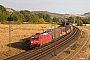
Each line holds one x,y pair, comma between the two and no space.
37,41
31,41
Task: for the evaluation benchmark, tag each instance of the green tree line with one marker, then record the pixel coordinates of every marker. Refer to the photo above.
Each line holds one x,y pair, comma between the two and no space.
79,20
24,16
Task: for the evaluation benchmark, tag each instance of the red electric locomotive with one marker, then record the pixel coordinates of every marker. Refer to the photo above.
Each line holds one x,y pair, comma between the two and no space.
39,39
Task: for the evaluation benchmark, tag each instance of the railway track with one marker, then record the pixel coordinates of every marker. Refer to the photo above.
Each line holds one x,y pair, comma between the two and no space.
48,48
76,55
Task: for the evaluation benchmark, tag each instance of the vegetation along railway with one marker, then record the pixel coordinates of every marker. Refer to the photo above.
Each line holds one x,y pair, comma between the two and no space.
51,49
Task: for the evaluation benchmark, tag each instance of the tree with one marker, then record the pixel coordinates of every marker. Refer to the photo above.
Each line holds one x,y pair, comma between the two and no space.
27,15
14,17
3,14
41,20
70,19
86,21
1,18
47,18
34,19
40,15
2,8
56,20
79,23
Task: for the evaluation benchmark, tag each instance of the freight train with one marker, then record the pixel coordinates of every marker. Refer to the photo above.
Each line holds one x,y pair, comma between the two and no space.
41,38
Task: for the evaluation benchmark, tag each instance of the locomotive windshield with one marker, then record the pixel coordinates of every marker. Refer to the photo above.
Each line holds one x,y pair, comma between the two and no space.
34,38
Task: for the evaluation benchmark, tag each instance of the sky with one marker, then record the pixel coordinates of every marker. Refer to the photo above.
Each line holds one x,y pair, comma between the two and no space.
54,6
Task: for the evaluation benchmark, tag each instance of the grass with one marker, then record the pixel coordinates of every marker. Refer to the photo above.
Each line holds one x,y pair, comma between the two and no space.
67,52
74,46
7,53
82,36
89,46
60,59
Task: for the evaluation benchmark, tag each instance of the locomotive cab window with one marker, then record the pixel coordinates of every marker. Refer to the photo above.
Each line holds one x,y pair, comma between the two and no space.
34,38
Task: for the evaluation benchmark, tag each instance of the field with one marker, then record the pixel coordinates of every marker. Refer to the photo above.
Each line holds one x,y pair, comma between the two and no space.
12,41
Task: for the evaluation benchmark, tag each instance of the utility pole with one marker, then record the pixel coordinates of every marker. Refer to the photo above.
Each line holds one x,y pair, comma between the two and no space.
79,21
9,39
9,21
54,40
74,19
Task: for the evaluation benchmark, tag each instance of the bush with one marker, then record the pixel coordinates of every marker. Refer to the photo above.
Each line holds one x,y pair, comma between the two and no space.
67,52
82,36
74,46
60,58
89,46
